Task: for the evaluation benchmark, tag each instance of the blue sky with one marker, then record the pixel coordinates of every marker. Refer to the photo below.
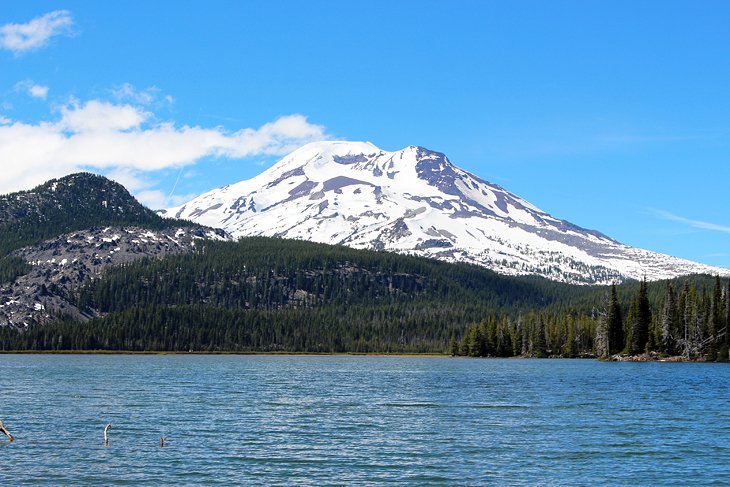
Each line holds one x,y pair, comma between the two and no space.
613,115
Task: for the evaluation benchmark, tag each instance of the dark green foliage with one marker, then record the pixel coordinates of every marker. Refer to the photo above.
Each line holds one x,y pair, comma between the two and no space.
392,302
76,202
539,345
570,348
385,328
266,273
614,323
12,267
264,294
668,328
639,321
530,335
715,322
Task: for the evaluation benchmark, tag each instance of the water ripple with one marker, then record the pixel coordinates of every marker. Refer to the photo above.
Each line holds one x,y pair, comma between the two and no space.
362,420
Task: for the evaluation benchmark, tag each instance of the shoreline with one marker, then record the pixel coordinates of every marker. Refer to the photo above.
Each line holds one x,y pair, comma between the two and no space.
649,358
263,354
655,357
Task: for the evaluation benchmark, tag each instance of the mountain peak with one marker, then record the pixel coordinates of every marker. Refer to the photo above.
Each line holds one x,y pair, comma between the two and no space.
416,201
339,147
333,149
74,202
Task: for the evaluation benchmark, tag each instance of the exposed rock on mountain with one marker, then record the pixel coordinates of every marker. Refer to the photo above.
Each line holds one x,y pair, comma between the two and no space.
53,240
416,201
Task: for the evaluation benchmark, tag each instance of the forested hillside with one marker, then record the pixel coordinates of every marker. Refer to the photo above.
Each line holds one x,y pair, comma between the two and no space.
147,283
267,294
275,294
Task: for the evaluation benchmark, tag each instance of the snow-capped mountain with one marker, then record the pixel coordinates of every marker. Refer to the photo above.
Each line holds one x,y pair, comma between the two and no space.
416,201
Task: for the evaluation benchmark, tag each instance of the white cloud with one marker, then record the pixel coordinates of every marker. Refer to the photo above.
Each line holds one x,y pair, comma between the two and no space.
38,91
32,89
99,116
35,34
126,140
693,223
128,178
5,120
143,189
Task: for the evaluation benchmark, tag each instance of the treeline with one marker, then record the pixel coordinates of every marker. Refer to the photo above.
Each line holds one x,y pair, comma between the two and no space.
227,296
268,294
535,334
391,328
691,322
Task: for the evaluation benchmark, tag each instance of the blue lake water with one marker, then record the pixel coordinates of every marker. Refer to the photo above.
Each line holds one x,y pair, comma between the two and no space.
362,420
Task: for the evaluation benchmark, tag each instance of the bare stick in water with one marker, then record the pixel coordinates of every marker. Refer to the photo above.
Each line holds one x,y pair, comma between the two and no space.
106,436
5,431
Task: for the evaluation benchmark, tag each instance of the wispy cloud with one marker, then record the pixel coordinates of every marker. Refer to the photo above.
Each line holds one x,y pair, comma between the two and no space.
143,188
129,140
148,96
703,225
20,38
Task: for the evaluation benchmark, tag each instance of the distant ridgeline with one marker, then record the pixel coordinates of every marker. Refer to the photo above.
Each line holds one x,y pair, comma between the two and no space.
76,202
72,203
276,295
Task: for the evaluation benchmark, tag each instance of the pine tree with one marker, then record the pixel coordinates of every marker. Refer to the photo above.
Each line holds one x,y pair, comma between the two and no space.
570,349
645,316
724,352
539,347
614,323
714,321
601,341
641,321
667,326
630,327
453,346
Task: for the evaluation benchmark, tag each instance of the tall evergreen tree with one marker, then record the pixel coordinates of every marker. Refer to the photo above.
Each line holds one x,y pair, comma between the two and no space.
715,320
601,342
727,315
630,327
642,320
667,326
453,346
570,349
614,323
539,346
724,351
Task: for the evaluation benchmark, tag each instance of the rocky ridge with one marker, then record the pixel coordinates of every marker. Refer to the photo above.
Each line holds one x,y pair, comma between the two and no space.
62,264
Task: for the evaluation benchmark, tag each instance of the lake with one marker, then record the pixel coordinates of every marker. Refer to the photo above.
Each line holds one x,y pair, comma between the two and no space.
328,420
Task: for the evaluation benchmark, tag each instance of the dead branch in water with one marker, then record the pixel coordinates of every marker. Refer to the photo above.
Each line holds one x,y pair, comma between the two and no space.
5,431
106,436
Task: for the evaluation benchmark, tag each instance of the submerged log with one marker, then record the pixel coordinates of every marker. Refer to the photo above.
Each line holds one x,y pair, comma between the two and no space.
5,431
106,436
